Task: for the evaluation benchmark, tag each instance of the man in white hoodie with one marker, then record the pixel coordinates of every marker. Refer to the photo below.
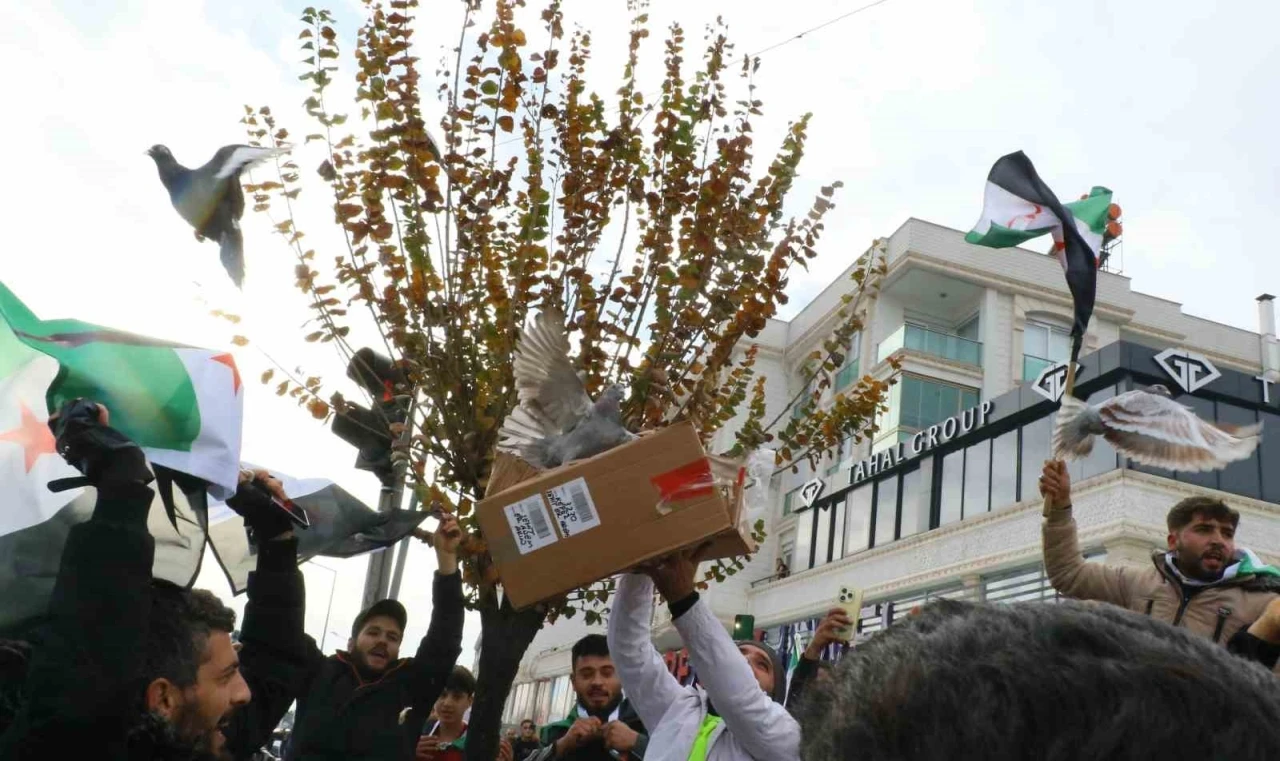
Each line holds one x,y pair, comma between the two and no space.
736,713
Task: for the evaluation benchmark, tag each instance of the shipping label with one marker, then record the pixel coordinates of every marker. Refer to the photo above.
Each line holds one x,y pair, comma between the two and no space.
529,524
572,506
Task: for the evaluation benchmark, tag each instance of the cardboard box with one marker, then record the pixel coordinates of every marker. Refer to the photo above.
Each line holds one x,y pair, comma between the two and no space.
562,529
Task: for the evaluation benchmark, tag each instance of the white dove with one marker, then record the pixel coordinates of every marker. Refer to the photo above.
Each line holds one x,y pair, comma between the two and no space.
1149,427
556,421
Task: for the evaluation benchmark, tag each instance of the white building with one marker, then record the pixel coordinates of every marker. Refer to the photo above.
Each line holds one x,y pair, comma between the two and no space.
944,502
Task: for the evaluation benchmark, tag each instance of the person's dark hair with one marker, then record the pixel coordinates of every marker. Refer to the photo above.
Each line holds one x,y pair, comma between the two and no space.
181,622
15,656
594,645
1182,514
460,680
529,722
1038,680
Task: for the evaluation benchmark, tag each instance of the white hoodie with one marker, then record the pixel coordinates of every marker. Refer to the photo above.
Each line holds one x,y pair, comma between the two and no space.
754,727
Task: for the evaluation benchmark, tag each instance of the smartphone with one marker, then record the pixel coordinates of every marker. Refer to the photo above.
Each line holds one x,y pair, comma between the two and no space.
850,600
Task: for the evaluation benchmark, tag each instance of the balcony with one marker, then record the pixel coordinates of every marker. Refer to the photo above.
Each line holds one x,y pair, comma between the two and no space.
925,341
1033,366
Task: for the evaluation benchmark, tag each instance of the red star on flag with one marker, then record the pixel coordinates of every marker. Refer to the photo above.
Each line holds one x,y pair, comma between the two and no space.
33,435
230,361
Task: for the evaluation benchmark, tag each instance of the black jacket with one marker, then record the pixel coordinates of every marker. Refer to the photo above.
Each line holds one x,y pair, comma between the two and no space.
84,687
342,717
595,751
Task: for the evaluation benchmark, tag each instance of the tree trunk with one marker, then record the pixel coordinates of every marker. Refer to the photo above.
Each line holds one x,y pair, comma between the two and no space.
505,635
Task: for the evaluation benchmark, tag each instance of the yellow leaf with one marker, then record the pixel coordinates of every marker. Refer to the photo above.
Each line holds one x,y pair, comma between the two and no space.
239,340
266,377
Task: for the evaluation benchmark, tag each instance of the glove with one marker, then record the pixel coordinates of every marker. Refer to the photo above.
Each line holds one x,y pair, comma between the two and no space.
104,455
253,501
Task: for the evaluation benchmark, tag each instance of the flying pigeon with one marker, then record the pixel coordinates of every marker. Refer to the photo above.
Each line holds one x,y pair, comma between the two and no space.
210,198
556,421
1151,428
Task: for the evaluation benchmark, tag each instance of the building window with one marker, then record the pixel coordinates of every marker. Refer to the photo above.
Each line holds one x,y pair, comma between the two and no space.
857,519
914,515
787,548
822,535
977,478
952,492
923,402
849,370
1004,470
1043,345
788,501
969,329
1035,445
886,511
804,541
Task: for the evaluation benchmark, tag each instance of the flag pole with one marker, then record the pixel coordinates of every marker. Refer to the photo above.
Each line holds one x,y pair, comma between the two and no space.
1067,389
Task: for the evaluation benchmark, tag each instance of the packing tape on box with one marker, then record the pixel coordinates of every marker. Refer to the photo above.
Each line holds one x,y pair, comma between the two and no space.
690,482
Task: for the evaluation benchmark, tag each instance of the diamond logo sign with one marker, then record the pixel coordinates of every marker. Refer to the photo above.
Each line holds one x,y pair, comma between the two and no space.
810,492
1189,370
1052,381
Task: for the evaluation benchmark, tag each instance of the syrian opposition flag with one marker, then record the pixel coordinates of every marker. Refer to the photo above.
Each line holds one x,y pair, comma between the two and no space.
341,526
181,404
34,521
1018,206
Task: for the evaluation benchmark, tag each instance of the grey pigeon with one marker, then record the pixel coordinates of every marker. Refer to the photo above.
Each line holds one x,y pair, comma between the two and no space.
1149,427
556,421
210,198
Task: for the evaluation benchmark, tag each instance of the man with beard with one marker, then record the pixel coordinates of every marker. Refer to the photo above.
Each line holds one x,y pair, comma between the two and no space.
602,724
128,668
365,703
1203,582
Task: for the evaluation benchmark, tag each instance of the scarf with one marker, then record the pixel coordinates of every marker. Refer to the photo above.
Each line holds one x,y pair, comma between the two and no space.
1246,563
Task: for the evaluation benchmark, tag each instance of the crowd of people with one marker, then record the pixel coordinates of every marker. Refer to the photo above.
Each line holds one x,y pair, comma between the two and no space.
1175,660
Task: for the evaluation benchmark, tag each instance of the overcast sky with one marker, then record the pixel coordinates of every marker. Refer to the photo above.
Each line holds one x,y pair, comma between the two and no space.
1170,103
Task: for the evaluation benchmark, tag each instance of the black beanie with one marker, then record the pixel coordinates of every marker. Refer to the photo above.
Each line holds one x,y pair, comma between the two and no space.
779,693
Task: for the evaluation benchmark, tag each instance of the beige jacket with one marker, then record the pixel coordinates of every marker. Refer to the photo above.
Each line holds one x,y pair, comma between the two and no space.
1216,612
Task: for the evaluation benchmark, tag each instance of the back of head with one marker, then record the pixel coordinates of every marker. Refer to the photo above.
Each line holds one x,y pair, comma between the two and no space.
1034,680
181,622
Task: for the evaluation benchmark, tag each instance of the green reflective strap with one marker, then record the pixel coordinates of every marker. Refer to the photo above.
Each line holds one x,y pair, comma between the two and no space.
700,743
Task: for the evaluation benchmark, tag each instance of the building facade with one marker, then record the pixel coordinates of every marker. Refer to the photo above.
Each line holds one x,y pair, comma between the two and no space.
942,501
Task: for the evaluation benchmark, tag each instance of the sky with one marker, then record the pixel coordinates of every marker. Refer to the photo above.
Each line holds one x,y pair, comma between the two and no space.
1169,103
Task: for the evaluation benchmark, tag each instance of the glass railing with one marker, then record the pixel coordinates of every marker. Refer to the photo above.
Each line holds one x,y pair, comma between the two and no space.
1033,366
925,341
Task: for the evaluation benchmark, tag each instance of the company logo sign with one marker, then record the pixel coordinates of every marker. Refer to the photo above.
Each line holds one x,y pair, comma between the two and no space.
1189,370
810,492
1052,381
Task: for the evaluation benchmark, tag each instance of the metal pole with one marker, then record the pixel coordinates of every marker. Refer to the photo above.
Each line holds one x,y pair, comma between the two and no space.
333,583
378,578
401,553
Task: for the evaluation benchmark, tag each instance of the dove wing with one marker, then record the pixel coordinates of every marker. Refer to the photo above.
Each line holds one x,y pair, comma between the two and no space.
231,159
545,380
1158,431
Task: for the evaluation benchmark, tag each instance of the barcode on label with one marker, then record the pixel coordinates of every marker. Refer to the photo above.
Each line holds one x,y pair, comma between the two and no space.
572,507
530,526
540,525
581,502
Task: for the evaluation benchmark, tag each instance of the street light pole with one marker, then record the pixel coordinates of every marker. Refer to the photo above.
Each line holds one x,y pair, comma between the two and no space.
333,583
